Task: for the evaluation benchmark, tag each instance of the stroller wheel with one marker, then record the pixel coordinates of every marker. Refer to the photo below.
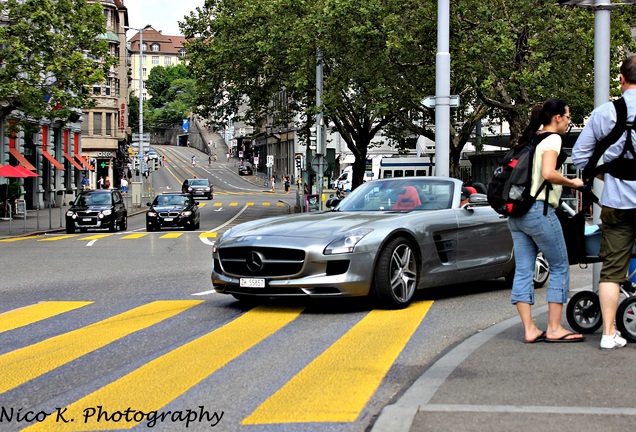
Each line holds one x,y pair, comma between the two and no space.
626,318
584,312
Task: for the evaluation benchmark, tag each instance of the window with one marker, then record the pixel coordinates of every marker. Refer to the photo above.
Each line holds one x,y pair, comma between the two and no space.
109,124
97,123
97,91
109,83
155,60
182,52
144,47
154,47
167,60
144,71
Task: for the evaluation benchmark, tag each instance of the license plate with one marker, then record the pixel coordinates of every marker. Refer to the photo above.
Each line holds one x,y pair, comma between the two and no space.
167,219
252,283
86,219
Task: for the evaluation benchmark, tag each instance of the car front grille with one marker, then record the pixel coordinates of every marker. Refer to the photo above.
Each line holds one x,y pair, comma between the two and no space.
170,214
261,261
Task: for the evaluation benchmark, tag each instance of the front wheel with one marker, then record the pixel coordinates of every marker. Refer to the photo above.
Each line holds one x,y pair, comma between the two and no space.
626,318
396,275
584,312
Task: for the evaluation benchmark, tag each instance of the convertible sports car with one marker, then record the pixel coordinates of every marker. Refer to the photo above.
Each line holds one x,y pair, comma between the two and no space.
388,238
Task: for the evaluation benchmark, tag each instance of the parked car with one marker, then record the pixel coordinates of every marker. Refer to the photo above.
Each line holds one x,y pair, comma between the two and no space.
387,239
97,209
198,187
152,154
173,210
245,170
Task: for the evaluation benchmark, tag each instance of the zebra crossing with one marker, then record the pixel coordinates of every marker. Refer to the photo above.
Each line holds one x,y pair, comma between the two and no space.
335,386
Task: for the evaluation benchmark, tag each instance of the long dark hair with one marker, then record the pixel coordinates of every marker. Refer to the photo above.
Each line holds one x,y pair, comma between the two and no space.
541,115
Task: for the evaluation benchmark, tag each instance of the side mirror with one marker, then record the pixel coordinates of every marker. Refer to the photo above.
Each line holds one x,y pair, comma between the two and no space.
148,204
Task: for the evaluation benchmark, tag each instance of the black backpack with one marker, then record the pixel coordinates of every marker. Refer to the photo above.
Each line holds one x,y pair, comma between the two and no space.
509,189
622,167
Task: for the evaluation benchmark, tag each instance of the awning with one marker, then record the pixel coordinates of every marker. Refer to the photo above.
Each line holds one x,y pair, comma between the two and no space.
82,161
25,163
51,159
72,161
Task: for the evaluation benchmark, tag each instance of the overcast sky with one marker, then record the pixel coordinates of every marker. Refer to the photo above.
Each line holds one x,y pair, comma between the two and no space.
160,14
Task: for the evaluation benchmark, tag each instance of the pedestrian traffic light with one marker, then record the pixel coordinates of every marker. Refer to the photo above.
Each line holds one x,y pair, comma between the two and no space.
299,162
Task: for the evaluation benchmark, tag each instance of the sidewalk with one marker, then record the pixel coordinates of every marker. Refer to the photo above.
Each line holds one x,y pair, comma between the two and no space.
492,381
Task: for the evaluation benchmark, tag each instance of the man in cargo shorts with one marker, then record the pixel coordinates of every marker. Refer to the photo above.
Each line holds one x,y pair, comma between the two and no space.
618,203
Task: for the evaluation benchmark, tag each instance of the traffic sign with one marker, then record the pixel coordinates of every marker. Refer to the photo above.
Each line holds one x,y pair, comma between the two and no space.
145,136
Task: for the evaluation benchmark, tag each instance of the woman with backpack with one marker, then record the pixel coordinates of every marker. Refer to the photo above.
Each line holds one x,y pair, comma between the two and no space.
539,228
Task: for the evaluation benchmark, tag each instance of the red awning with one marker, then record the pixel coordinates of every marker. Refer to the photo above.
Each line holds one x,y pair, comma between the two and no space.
51,159
72,161
82,160
21,159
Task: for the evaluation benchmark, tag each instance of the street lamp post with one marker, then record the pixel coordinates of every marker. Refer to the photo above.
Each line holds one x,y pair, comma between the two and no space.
141,153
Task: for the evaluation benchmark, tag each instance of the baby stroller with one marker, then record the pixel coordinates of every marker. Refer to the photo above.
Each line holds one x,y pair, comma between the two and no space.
583,311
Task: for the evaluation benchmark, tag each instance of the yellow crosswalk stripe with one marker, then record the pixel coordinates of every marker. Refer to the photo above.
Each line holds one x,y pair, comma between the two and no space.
337,385
218,204
11,240
134,236
22,365
160,381
249,204
172,235
95,237
60,237
233,204
208,234
30,314
266,204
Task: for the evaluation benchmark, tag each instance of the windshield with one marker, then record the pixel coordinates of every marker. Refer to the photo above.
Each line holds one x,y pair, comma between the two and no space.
404,194
93,199
199,183
174,200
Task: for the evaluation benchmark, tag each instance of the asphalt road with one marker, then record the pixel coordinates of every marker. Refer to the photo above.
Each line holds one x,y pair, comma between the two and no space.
127,322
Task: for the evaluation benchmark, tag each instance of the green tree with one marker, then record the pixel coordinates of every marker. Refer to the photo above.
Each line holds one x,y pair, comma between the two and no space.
50,55
172,92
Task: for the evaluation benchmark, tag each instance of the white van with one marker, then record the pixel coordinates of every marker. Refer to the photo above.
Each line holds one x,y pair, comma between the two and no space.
344,182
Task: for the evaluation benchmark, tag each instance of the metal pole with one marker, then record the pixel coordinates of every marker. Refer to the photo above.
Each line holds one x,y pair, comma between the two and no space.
320,124
602,20
442,91
141,111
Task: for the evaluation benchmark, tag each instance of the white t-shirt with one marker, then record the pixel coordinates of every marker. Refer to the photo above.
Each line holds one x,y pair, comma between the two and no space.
553,142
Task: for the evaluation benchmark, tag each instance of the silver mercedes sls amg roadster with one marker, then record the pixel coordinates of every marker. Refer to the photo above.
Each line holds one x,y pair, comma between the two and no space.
387,239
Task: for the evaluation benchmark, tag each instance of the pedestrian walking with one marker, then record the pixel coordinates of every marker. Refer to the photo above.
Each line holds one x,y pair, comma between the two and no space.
287,184
539,228
124,185
107,183
193,161
618,201
209,161
100,182
273,183
85,182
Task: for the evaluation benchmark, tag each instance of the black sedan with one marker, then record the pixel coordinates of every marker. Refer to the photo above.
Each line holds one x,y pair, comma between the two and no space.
173,210
245,170
97,209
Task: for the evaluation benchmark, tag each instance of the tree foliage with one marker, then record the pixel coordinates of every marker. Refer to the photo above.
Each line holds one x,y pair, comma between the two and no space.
172,92
50,55
379,62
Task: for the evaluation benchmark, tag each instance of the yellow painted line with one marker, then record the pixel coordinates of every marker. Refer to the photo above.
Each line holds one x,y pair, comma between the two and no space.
95,237
233,204
336,386
28,315
172,235
249,204
157,383
134,236
25,364
208,234
202,204
218,204
61,237
280,204
266,204
10,240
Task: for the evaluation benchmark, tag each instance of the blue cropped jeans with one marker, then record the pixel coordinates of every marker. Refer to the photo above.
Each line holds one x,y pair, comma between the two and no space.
532,232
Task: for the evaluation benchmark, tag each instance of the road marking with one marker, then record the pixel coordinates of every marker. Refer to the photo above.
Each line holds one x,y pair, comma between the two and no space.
95,237
337,385
205,293
61,237
233,204
218,204
134,236
266,204
172,235
22,365
249,204
30,314
15,239
157,383
208,234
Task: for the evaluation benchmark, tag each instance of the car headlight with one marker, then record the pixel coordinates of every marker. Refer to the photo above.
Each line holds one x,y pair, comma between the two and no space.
106,212
207,189
152,214
70,213
346,242
186,213
190,189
